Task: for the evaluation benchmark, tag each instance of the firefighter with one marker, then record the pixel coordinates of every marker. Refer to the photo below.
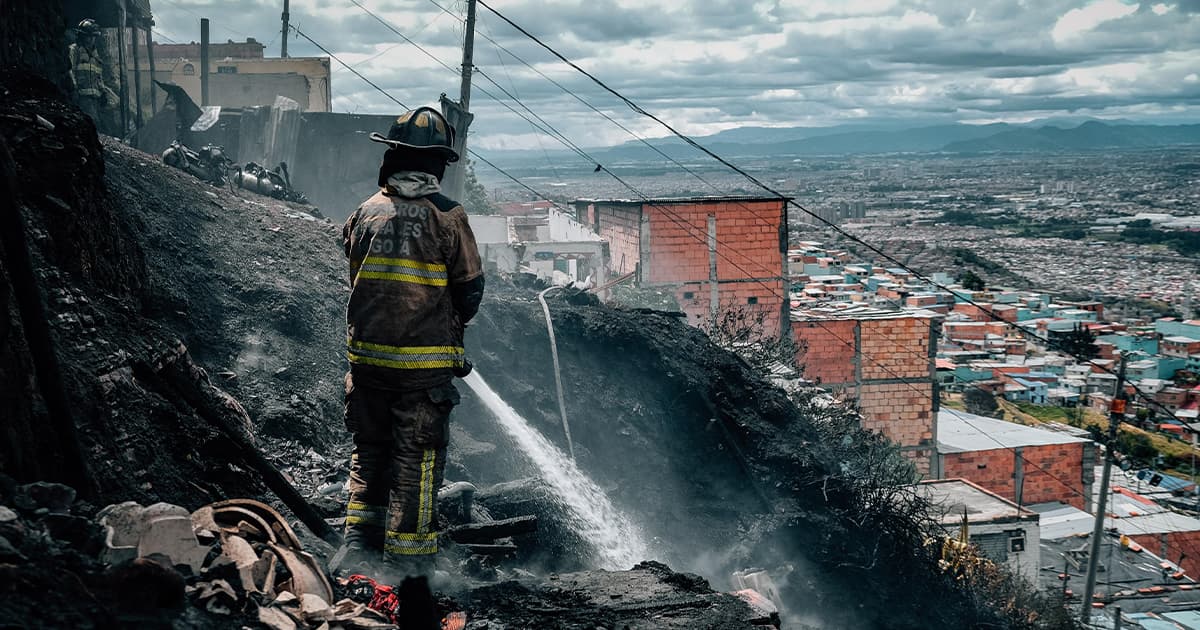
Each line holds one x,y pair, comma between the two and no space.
416,281
93,95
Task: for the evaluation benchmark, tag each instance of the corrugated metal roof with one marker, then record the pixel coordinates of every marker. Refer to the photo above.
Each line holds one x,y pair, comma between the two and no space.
1189,619
960,432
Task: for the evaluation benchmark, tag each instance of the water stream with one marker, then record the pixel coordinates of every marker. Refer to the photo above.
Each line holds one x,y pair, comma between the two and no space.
619,543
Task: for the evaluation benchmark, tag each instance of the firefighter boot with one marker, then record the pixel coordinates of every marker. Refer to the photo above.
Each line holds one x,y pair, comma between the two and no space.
356,555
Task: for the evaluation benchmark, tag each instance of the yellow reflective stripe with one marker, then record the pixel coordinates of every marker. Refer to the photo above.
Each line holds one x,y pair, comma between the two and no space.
404,262
407,537
425,501
410,544
365,514
405,358
411,551
405,365
401,277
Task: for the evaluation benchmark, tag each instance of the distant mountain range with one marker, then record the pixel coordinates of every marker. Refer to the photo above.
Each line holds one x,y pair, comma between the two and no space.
1064,134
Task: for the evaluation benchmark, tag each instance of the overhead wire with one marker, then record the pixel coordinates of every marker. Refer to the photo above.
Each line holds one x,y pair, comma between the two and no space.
689,230
513,84
675,218
397,101
584,154
787,200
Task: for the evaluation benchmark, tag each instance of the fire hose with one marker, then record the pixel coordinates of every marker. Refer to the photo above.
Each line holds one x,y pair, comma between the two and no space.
562,407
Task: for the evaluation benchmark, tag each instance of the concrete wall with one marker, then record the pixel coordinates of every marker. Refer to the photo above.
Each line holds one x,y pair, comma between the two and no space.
241,90
1053,472
992,540
256,81
337,166
580,259
888,365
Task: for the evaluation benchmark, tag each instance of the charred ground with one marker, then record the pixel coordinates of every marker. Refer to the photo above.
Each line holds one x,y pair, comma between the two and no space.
180,313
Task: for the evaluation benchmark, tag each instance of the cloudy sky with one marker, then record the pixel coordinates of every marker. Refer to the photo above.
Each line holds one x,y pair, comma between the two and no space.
709,65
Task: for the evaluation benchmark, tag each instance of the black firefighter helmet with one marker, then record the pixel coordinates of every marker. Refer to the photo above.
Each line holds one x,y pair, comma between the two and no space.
88,27
422,129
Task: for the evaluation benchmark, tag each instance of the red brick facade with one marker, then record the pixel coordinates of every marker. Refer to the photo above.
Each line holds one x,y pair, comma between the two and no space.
887,365
1170,546
667,243
1053,472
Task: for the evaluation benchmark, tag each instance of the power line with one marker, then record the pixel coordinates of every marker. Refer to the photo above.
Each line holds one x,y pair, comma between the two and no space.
397,101
691,142
566,142
689,230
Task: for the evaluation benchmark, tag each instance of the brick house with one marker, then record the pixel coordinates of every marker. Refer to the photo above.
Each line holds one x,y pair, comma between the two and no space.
715,254
885,360
1023,464
1179,346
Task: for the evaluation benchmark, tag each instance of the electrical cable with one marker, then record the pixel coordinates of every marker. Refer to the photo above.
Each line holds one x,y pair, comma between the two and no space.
687,139
687,227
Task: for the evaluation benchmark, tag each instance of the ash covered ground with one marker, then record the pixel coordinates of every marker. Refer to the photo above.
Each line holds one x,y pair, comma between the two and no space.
181,314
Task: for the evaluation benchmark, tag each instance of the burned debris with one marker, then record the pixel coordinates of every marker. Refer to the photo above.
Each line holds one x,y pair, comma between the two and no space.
178,353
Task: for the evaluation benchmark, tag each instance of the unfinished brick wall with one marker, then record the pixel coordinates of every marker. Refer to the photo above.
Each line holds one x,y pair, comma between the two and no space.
887,365
739,304
669,239
828,352
1052,472
972,331
1171,546
620,225
748,241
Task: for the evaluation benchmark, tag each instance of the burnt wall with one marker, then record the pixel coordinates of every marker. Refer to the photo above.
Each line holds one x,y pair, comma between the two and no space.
336,165
32,37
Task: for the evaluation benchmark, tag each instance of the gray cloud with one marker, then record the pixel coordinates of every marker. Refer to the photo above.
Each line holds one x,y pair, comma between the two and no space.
718,63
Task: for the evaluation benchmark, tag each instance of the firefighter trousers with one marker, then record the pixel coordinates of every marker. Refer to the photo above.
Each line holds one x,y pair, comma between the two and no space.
396,468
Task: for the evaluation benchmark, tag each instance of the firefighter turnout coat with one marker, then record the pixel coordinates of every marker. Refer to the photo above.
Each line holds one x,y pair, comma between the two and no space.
407,254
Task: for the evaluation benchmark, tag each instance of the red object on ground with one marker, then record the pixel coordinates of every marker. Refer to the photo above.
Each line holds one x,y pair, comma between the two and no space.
384,599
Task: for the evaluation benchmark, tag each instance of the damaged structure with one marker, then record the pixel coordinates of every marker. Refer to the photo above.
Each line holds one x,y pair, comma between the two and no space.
716,255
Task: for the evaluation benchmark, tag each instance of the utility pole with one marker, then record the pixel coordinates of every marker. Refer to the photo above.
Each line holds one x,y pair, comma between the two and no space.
204,62
459,115
1116,413
286,15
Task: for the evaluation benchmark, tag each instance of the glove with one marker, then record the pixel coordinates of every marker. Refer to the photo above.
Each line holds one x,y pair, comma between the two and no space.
464,370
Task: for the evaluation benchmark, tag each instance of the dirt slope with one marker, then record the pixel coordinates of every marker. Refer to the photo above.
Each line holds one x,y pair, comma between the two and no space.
176,307
153,285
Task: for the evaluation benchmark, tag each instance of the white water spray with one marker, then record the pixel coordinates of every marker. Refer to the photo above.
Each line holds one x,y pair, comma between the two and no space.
619,544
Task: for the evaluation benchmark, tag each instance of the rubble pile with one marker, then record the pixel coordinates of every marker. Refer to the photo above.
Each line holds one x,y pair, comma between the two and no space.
230,563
